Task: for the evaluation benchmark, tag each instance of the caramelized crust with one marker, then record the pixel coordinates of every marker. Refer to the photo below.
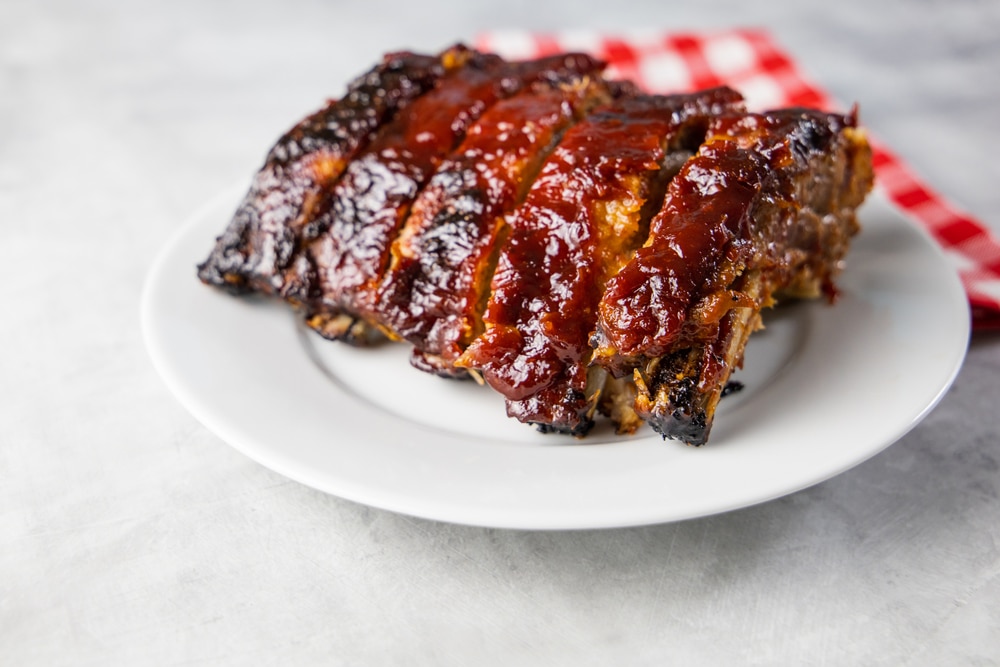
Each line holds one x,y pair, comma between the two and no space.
436,288
768,203
580,221
706,216
287,192
574,243
369,204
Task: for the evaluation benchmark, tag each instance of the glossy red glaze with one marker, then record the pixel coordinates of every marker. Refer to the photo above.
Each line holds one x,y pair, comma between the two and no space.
564,241
708,224
372,199
707,208
439,278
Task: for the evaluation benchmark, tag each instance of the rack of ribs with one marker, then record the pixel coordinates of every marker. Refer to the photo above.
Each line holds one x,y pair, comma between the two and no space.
577,245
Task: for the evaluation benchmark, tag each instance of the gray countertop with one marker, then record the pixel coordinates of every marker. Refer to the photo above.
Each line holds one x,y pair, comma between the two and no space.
129,534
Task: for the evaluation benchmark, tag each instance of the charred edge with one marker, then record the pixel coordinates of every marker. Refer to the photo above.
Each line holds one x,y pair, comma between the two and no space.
365,326
225,267
578,432
435,365
582,426
394,82
344,327
397,80
679,411
574,416
732,387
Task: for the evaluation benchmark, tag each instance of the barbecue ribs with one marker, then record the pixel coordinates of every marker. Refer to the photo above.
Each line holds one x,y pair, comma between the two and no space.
767,205
579,246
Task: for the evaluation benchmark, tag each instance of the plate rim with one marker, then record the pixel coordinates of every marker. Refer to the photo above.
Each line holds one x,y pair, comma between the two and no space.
198,222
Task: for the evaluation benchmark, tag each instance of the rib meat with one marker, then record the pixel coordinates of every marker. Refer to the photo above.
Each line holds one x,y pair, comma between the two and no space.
287,192
435,290
768,204
581,219
340,272
575,244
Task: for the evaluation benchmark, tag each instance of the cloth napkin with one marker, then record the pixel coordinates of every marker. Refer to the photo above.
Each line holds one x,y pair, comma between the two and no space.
750,61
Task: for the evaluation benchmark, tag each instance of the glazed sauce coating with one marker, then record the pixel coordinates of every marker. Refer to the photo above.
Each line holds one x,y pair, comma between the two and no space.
427,204
436,287
372,199
782,221
707,232
706,215
581,218
285,193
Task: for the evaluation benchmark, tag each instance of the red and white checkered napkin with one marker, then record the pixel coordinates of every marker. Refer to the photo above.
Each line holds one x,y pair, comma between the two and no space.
750,61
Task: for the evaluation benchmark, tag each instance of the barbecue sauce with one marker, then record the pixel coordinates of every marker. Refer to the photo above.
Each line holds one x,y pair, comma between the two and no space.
581,220
371,201
436,287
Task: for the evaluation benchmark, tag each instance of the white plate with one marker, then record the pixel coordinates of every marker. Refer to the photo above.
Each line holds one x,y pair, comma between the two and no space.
825,389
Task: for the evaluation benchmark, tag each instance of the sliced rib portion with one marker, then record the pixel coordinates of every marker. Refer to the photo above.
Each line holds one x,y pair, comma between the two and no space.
373,198
579,246
286,194
767,204
436,288
582,218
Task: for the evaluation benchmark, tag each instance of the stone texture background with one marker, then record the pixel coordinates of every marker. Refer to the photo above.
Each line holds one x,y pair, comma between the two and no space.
131,535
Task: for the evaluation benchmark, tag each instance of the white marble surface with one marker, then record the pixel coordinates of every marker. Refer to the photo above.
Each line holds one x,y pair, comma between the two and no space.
130,535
